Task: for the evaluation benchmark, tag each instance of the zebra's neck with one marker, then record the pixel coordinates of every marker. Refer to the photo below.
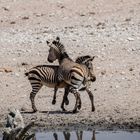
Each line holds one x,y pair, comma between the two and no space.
63,56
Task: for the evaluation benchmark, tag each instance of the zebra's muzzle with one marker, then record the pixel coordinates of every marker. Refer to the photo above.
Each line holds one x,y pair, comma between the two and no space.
50,60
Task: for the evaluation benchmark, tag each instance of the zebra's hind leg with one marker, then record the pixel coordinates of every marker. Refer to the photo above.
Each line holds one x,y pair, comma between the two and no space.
66,101
32,97
54,96
35,89
91,99
78,101
76,104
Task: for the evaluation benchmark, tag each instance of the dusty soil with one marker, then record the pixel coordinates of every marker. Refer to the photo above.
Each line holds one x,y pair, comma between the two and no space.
109,29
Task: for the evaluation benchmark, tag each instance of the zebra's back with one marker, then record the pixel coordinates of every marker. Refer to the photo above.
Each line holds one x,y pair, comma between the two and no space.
45,75
72,73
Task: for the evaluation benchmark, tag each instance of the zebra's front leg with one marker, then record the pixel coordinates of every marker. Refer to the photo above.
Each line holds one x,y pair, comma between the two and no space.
54,96
65,98
91,99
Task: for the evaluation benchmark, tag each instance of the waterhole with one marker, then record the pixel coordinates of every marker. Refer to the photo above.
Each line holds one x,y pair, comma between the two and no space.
88,135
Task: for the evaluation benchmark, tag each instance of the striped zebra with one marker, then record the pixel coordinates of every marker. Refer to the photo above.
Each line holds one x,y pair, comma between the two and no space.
74,74
47,75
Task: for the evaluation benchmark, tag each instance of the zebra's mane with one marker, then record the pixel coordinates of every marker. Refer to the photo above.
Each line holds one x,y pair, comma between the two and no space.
59,46
82,59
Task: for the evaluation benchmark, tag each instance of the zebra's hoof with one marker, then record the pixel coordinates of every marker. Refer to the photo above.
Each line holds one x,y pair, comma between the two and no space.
63,109
74,111
93,109
67,102
34,110
79,106
53,102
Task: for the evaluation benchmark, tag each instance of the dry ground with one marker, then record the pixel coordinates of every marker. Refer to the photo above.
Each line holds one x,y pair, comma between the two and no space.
109,29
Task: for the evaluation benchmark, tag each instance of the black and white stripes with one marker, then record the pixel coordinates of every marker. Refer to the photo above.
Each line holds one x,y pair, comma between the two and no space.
48,75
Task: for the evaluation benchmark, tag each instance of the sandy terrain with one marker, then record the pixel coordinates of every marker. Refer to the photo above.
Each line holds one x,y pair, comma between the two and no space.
109,29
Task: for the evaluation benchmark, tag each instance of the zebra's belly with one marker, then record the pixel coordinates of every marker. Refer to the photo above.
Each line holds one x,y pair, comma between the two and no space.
53,85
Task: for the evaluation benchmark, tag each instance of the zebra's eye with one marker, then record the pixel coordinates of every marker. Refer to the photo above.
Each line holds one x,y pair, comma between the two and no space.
47,42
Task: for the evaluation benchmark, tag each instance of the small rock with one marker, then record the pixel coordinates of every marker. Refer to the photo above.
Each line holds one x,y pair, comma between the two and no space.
112,40
12,22
130,39
103,72
117,86
23,109
62,7
7,85
101,24
133,49
128,19
25,18
39,15
82,15
91,33
17,74
6,9
131,69
24,63
92,13
7,70
122,73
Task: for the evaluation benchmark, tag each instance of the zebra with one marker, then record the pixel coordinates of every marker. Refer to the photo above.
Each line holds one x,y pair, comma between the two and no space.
87,61
74,74
47,75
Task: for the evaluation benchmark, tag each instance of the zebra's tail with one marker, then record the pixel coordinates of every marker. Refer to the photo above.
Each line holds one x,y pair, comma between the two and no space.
83,88
26,73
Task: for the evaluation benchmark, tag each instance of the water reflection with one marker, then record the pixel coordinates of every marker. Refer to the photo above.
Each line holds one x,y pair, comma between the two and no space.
74,135
79,135
66,135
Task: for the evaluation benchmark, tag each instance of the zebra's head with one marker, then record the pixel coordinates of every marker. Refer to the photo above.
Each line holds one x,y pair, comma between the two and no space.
87,61
56,49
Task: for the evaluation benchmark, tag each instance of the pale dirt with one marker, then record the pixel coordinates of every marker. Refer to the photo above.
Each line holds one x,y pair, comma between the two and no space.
109,29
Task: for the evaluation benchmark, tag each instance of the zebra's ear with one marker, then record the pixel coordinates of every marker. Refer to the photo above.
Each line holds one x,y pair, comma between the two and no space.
57,39
91,59
47,42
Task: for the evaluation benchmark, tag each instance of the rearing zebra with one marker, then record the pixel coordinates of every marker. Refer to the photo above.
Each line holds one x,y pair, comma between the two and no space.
74,74
47,75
